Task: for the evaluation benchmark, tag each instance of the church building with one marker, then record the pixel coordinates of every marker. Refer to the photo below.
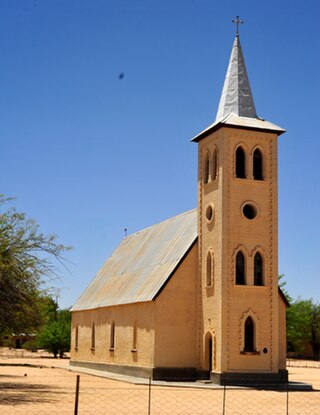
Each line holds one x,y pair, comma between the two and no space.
197,296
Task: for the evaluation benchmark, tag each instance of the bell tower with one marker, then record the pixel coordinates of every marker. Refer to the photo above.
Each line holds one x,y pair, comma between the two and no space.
241,336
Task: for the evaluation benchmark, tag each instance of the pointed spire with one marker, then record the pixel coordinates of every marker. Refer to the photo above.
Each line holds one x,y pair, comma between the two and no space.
236,95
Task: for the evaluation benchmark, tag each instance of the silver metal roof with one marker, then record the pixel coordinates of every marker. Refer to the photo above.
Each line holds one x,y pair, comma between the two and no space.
142,264
236,106
236,95
233,120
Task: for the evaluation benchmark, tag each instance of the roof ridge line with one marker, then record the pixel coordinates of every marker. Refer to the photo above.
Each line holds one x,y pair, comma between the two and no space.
161,222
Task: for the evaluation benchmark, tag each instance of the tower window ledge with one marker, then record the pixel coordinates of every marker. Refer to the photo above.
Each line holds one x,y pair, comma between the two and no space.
250,353
262,181
251,286
210,187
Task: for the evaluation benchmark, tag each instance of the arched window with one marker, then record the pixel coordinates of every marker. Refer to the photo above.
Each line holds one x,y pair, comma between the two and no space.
214,165
240,269
249,335
134,339
210,268
76,337
258,269
257,165
112,336
93,335
206,176
240,163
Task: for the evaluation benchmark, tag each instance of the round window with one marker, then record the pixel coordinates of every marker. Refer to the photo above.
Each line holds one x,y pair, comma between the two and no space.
209,213
249,211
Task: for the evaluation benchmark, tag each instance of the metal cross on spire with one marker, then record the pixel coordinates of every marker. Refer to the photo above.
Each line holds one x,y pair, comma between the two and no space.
237,21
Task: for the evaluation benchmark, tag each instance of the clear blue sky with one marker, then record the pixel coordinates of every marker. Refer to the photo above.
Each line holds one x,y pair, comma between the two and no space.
88,154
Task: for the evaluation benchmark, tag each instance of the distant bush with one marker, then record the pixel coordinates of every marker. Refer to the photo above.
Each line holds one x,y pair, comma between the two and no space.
8,342
30,345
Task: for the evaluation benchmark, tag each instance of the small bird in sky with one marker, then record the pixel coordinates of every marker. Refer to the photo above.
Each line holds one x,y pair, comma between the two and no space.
121,75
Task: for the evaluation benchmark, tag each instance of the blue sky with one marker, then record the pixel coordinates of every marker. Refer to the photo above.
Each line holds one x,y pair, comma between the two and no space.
88,154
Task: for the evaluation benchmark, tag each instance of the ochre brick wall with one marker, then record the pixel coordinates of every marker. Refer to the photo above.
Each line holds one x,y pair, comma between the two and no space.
165,327
225,306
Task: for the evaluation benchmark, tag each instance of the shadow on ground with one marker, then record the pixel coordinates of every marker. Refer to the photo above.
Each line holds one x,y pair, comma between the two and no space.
16,393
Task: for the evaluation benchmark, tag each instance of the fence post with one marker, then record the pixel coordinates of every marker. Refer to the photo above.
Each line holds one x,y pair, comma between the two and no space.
76,401
149,400
287,403
224,397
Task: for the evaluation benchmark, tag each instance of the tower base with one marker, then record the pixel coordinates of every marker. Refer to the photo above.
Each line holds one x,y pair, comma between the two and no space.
250,379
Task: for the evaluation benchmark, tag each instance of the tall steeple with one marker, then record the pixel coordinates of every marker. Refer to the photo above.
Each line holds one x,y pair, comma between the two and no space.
236,106
242,316
236,97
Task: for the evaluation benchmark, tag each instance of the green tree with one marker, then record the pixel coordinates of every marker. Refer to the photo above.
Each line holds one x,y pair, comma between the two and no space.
27,259
55,336
47,309
303,326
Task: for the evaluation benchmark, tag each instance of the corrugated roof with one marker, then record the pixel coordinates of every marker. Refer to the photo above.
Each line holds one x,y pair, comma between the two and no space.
141,264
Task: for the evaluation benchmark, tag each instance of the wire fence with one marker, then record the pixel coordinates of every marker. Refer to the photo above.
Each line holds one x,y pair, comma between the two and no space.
48,391
314,364
158,400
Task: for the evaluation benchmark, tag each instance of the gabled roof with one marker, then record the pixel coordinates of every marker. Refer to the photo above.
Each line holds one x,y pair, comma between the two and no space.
142,264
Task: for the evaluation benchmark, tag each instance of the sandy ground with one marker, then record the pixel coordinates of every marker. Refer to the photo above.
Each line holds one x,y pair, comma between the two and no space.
50,389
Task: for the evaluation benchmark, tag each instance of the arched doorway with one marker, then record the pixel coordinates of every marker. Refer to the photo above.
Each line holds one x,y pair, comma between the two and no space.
208,352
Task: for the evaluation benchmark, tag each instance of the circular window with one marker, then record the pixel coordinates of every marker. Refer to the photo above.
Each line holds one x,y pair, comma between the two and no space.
209,213
249,211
